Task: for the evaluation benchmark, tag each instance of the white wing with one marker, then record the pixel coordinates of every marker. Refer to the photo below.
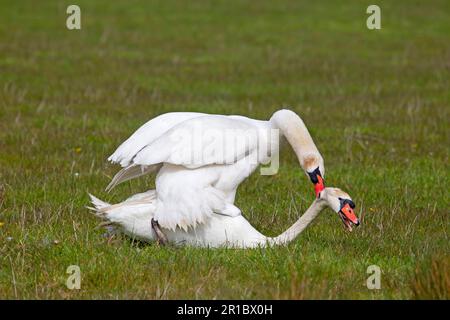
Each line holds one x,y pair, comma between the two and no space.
144,136
202,141
195,140
147,133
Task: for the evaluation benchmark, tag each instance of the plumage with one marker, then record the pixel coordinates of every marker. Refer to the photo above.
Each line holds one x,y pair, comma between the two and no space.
134,216
201,160
146,134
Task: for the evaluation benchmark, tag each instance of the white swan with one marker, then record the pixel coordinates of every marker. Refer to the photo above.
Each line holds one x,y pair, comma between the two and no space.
201,160
134,216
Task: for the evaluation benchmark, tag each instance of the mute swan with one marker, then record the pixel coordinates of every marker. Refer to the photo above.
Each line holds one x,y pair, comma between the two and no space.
134,216
201,159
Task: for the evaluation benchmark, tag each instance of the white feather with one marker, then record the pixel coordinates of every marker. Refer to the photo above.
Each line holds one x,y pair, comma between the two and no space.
146,134
134,216
202,159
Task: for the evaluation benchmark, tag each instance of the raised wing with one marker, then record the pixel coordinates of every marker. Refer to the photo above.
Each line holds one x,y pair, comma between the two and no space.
202,141
198,141
148,133
142,137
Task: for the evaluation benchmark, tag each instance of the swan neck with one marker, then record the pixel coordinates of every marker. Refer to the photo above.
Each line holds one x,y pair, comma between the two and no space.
294,130
290,234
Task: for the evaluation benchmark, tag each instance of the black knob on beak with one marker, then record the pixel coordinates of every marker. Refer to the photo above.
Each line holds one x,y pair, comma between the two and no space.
313,176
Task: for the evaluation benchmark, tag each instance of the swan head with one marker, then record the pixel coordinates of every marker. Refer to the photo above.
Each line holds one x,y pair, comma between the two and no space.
340,202
314,168
296,132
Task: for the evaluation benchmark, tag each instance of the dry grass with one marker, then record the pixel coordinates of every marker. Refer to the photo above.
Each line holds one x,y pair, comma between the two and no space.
432,281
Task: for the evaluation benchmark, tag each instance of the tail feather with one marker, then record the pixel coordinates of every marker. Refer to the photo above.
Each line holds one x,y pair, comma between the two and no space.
98,204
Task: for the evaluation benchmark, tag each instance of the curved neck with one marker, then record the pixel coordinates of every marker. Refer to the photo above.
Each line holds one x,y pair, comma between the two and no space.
290,234
295,131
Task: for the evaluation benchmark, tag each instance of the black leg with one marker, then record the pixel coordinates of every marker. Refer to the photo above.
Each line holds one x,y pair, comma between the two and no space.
160,236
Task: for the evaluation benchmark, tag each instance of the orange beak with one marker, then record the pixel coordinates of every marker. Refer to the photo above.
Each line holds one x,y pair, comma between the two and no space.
319,186
348,216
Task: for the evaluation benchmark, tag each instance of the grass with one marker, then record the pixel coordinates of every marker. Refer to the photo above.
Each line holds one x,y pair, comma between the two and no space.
376,102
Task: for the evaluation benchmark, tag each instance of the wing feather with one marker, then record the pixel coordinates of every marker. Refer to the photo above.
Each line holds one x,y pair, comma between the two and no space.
201,141
188,139
146,134
130,172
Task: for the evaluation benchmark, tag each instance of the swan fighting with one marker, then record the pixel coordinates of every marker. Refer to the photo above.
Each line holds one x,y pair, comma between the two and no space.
200,160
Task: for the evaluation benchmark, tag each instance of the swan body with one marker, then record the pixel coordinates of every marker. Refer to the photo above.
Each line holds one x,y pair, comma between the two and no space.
133,217
200,160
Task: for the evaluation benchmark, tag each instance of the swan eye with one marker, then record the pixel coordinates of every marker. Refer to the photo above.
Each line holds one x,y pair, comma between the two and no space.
347,201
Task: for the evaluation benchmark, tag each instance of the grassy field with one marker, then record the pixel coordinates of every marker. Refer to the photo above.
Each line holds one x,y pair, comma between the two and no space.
376,102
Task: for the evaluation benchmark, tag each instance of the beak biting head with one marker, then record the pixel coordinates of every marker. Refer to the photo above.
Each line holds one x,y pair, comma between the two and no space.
319,186
316,178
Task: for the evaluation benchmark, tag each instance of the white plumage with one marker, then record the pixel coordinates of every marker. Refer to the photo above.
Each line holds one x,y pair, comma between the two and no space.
201,160
134,215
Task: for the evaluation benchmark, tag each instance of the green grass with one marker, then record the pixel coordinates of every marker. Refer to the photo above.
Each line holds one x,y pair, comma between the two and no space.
376,102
